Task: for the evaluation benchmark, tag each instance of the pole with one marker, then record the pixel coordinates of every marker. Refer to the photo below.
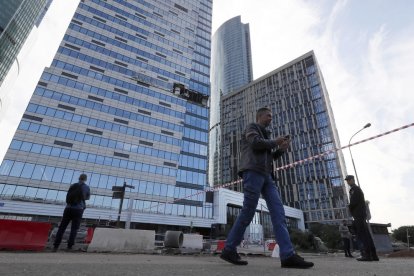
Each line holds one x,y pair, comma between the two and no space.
356,174
350,152
262,222
118,221
121,202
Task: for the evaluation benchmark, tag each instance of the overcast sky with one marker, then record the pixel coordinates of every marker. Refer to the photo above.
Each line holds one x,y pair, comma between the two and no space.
365,51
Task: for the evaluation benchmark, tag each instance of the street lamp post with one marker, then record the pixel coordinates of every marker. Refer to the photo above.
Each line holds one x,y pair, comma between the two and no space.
350,152
356,174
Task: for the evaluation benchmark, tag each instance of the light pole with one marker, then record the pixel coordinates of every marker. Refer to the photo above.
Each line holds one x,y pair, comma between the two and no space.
352,159
356,175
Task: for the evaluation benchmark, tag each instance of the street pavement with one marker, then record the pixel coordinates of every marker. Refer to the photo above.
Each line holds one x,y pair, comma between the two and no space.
82,263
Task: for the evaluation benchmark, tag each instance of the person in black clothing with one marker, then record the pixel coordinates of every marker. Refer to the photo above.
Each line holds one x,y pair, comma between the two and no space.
73,212
358,211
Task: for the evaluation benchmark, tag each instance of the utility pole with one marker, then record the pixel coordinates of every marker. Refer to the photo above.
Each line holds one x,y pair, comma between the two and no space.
119,192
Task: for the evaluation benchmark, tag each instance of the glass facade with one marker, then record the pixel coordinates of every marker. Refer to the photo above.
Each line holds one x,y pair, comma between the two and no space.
124,100
300,104
17,18
231,68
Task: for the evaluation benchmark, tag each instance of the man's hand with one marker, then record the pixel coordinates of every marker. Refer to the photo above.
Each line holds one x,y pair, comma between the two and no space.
283,142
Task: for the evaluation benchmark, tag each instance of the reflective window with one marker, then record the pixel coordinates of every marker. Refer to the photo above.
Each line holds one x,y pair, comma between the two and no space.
51,195
6,167
17,169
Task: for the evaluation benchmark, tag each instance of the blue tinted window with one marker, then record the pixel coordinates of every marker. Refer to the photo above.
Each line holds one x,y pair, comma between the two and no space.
27,170
6,167
16,169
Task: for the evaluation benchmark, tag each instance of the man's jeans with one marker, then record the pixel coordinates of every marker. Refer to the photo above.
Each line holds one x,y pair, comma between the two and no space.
70,214
255,183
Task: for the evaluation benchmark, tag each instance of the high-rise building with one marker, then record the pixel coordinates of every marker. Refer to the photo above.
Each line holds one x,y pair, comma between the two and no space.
231,68
124,101
17,18
300,104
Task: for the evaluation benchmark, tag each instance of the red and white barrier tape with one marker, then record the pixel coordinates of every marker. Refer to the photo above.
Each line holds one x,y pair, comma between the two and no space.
291,165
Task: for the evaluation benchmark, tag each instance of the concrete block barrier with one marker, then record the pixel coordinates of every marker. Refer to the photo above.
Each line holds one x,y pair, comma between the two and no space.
193,241
122,240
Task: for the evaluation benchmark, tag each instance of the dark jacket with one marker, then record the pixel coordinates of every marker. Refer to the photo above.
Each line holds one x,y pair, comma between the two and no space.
86,194
256,150
357,202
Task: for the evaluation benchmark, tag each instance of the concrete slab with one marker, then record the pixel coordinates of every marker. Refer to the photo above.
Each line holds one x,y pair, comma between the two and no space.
122,240
193,241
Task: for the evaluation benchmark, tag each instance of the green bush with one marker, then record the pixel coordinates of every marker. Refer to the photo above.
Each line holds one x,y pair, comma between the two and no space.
400,234
302,240
329,234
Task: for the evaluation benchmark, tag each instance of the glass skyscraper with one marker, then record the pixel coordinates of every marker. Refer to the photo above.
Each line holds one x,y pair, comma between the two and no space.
17,18
300,104
231,68
124,100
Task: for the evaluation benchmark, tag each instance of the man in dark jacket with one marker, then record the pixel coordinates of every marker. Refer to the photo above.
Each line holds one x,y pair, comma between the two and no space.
73,212
256,167
358,211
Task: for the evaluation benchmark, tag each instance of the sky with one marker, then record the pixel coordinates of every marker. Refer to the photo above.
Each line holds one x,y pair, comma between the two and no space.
365,51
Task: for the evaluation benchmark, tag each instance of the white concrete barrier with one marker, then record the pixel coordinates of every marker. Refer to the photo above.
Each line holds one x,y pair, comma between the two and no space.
122,240
193,241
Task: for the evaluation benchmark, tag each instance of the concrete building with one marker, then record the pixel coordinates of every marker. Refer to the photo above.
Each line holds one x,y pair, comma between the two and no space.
231,68
297,95
125,100
227,206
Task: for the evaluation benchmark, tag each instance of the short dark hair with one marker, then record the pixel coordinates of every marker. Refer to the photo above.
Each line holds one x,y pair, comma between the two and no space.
262,110
83,177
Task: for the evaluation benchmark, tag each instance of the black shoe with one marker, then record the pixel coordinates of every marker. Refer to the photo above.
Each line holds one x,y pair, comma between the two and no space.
375,258
69,249
350,256
296,261
364,259
54,249
232,257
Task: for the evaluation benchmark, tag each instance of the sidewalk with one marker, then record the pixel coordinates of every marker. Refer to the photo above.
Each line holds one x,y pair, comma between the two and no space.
63,263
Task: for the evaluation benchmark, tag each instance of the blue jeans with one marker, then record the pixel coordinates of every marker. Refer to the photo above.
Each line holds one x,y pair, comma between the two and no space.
254,184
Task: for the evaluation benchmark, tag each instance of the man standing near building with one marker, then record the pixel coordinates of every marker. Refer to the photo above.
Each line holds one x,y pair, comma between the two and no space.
75,199
358,211
256,166
346,238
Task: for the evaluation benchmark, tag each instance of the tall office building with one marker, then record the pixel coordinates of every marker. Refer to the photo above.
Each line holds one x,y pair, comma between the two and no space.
231,68
17,18
297,95
124,100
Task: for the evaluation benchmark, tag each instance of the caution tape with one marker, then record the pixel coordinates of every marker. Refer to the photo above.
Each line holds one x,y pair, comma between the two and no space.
288,166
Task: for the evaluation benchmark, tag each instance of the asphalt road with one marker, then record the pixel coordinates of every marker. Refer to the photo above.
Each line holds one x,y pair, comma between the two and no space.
65,263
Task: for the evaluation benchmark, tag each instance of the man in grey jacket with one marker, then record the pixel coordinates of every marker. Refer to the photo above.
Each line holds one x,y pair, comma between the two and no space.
256,167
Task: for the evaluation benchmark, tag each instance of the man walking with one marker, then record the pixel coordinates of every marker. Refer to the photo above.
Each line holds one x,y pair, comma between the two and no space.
75,199
256,166
358,211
